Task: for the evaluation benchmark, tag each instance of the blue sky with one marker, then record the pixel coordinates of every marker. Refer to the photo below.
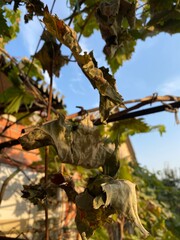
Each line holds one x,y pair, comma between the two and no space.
154,67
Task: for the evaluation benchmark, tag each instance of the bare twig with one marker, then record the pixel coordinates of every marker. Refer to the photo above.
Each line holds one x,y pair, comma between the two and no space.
126,114
38,44
141,102
18,120
76,13
47,148
121,116
9,143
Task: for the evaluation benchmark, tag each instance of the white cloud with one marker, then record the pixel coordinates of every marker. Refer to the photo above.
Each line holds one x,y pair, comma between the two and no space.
170,87
31,33
77,89
78,78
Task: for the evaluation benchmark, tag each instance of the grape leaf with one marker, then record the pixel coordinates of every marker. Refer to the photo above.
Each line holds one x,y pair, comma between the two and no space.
118,132
115,18
103,197
76,144
87,25
86,61
4,29
50,58
14,97
123,53
61,31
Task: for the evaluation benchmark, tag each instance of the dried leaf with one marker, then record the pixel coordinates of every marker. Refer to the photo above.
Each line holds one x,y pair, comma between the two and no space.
105,108
50,58
106,105
103,81
86,61
103,197
36,194
121,196
76,144
61,31
65,183
89,219
110,16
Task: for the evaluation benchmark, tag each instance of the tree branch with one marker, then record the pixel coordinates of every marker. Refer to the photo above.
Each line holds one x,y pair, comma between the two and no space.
9,144
126,114
141,102
121,116
10,125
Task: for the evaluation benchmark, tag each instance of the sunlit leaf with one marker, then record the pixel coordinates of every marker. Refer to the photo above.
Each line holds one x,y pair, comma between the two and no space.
61,31
13,98
122,54
9,22
86,61
103,197
119,131
4,30
36,71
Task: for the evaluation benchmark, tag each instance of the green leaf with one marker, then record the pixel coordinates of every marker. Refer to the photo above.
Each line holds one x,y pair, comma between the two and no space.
14,105
160,128
13,97
125,171
35,69
100,234
157,6
12,21
4,29
13,77
85,25
122,54
119,131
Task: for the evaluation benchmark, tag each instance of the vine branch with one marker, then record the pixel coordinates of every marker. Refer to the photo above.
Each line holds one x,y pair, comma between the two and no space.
126,114
120,116
141,102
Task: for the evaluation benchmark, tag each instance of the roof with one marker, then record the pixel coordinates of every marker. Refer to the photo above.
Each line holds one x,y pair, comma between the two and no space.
40,87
